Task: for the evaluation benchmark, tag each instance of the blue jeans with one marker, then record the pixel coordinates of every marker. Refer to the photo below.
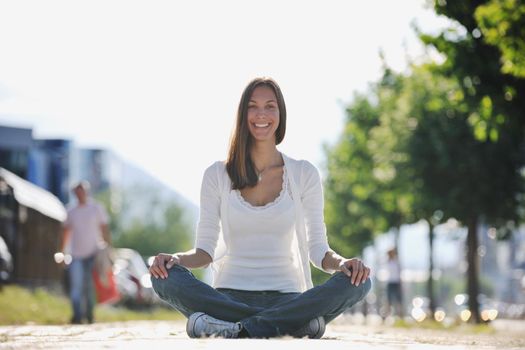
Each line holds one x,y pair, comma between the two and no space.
393,292
263,314
81,288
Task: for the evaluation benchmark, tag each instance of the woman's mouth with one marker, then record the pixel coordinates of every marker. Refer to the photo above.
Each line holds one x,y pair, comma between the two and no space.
262,125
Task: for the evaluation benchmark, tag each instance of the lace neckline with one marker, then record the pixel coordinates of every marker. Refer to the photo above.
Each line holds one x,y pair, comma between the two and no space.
269,204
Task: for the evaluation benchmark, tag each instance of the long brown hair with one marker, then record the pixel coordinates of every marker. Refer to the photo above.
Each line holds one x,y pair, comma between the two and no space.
239,164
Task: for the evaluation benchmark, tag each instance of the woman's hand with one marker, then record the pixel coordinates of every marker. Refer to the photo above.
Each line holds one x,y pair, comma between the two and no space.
162,263
355,269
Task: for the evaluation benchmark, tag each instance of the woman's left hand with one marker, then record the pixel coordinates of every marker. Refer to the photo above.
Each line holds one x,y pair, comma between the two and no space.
355,270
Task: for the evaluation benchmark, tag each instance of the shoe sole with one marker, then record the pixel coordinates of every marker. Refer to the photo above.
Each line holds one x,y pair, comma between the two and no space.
190,325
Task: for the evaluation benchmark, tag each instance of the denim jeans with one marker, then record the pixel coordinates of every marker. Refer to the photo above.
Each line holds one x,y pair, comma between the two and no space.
81,288
393,292
263,314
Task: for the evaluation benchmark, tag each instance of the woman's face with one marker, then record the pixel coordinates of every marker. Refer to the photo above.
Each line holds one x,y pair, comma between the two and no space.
263,114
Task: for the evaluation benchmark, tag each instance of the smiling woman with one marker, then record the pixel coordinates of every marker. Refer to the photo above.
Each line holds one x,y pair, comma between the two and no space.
260,234
261,118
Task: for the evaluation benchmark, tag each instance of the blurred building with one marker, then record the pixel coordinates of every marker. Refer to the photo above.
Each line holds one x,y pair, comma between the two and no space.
56,164
30,223
15,147
50,163
100,167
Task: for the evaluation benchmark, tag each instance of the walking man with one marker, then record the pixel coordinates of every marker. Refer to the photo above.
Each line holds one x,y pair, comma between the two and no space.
85,231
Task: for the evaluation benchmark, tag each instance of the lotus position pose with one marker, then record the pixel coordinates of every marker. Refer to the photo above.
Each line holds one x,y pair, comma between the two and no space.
261,224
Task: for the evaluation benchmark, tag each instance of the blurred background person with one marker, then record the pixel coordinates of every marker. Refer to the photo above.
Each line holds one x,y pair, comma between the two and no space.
85,232
393,285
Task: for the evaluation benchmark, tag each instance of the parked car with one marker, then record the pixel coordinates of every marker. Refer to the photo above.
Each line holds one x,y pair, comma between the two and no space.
133,278
6,263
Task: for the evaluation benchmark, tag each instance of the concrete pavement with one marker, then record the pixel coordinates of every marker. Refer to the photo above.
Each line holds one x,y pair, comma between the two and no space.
172,335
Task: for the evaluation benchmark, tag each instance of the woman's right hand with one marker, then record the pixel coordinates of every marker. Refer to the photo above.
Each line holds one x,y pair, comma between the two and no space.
162,263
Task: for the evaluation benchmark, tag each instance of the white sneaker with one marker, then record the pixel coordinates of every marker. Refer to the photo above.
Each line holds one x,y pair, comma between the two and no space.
313,329
200,325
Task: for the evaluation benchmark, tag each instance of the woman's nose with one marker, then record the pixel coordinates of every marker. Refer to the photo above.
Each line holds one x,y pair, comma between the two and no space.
260,112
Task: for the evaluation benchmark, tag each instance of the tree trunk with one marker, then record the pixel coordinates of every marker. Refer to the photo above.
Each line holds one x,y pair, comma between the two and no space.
513,242
473,267
397,238
397,230
430,282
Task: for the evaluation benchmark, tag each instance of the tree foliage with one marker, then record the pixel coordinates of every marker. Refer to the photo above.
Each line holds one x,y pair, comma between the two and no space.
149,237
492,95
368,189
140,221
485,184
502,23
444,138
349,188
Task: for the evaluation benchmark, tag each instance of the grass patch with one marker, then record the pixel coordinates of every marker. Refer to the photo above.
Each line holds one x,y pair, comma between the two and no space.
22,306
483,328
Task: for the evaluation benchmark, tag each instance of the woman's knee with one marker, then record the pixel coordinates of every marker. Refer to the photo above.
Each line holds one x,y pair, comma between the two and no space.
178,277
345,284
157,284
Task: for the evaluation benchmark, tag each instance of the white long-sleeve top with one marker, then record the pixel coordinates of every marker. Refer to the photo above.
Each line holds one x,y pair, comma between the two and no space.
261,244
310,242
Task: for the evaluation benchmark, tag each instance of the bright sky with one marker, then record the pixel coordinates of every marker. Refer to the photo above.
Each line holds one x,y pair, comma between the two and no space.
158,82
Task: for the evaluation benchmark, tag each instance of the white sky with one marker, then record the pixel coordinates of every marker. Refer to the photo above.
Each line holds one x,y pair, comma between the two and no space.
158,82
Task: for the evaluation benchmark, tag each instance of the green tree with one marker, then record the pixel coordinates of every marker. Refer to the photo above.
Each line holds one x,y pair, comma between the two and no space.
486,182
366,189
150,237
350,207
471,180
502,23
413,95
348,189
115,204
492,95
412,154
141,221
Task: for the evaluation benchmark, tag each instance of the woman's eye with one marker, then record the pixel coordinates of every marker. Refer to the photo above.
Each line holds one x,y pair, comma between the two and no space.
270,106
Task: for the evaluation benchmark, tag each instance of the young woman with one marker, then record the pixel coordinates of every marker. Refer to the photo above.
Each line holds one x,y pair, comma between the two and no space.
261,224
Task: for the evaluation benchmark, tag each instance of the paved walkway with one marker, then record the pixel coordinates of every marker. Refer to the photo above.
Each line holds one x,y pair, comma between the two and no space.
172,335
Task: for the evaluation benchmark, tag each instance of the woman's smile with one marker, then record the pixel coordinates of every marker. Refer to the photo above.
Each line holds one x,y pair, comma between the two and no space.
265,125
